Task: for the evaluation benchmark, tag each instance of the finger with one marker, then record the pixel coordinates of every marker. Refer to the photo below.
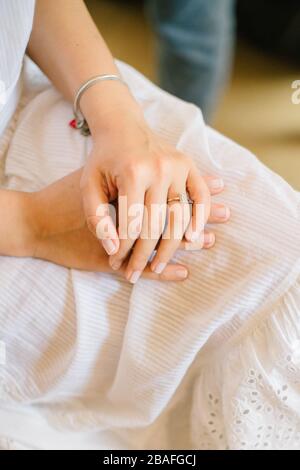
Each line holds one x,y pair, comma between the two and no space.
153,225
97,213
200,195
177,222
207,241
131,211
219,214
172,272
215,184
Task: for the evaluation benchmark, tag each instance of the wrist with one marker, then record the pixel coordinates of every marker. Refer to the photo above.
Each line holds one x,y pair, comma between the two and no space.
34,222
38,218
18,235
107,105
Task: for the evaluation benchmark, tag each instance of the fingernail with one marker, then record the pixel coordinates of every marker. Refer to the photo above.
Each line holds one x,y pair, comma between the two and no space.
135,276
208,238
216,184
109,246
193,246
220,212
115,265
181,273
194,237
159,268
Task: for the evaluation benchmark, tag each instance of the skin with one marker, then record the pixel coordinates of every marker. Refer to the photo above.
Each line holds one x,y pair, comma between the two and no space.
50,224
127,158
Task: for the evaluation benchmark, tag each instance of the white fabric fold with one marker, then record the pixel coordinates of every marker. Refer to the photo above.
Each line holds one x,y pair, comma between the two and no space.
96,360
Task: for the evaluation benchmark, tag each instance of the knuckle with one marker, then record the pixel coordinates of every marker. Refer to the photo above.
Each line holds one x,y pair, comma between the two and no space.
183,158
163,168
190,162
135,172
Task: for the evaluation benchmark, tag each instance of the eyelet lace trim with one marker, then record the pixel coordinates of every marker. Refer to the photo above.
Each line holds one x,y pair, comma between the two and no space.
262,415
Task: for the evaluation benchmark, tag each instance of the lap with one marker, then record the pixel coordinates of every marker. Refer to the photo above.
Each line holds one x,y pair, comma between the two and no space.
94,336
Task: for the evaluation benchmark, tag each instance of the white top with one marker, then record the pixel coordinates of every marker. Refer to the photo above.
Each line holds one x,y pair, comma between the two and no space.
16,17
93,362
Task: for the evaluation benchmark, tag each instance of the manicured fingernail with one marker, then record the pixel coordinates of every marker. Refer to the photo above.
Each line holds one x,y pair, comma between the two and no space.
216,184
220,212
181,273
193,246
159,268
209,238
109,246
115,265
135,276
194,237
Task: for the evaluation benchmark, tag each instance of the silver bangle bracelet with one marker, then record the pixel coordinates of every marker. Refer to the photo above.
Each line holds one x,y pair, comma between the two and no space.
79,121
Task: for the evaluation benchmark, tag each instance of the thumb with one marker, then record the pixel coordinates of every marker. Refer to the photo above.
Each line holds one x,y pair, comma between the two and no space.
99,214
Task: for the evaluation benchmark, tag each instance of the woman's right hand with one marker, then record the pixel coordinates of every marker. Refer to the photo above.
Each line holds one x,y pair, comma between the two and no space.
78,249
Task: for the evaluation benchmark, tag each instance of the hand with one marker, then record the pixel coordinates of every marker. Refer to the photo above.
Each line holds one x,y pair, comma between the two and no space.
128,158
79,249
129,161
59,233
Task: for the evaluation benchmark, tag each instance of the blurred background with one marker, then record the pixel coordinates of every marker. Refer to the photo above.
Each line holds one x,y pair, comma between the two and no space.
259,59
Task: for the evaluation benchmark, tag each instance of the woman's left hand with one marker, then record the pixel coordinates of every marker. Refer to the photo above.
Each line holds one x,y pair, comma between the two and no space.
131,163
51,226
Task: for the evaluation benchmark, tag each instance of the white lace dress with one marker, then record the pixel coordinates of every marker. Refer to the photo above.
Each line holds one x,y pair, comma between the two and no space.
93,362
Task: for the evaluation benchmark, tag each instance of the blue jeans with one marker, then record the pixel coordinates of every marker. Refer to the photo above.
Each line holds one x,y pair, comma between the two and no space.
195,47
